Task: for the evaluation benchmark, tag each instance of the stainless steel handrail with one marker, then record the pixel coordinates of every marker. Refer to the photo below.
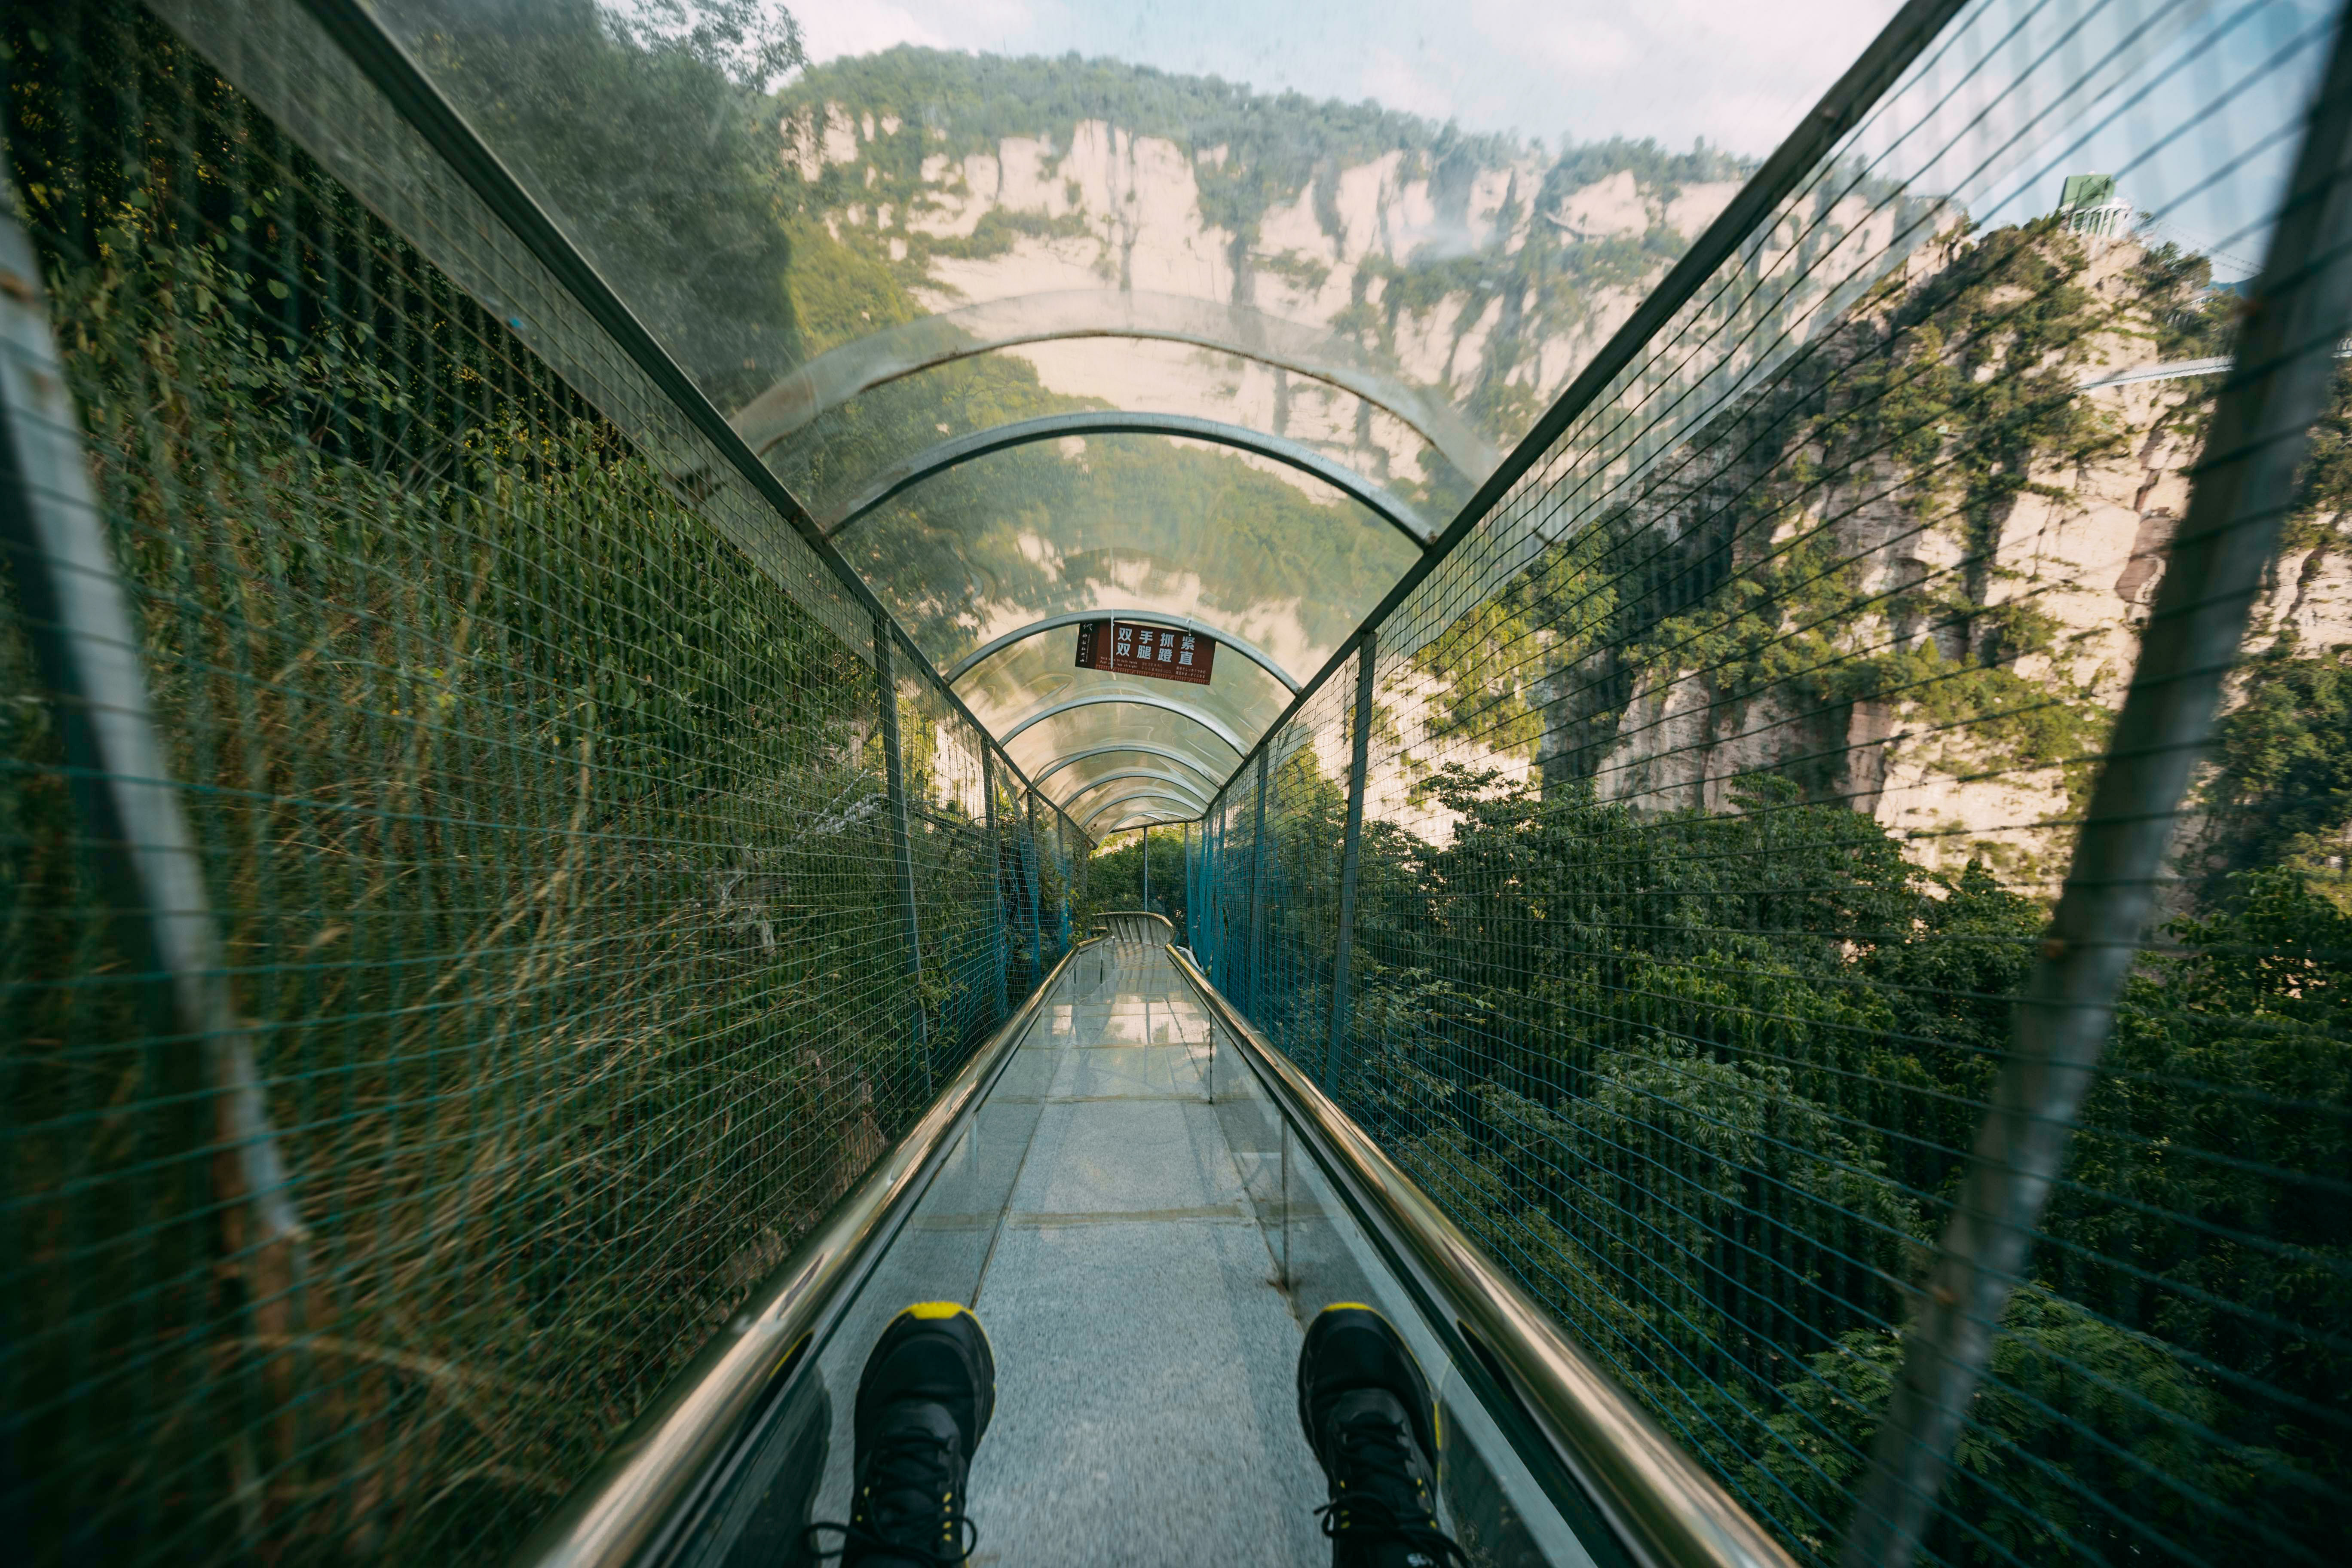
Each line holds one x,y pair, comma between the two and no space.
637,1496
1666,1511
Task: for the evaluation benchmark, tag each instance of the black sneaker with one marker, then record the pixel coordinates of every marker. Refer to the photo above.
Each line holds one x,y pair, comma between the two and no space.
1370,1421
927,1391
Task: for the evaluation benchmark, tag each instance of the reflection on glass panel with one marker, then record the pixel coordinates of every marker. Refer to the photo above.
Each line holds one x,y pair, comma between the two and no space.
953,775
1065,784
1198,212
1412,445
1478,264
1127,522
648,134
1134,782
1121,724
1040,671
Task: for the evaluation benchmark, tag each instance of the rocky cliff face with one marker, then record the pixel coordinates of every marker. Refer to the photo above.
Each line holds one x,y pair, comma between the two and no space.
1936,628
1932,605
1482,270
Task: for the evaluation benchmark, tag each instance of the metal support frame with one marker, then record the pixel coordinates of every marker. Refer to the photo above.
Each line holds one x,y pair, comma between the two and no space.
1133,699
1062,865
840,374
909,472
1140,747
2241,492
1350,858
85,643
1184,869
1153,795
1253,965
1248,650
902,849
1187,786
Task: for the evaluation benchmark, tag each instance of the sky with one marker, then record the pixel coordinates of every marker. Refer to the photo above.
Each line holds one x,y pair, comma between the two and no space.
1737,72
2199,116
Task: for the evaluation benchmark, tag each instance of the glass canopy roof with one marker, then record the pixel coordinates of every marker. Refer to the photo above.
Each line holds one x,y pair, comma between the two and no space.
1212,322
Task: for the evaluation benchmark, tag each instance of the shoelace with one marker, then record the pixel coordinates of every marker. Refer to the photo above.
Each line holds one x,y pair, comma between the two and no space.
903,1464
1373,1448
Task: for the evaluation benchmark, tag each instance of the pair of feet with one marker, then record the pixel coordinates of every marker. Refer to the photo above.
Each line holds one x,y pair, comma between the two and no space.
930,1388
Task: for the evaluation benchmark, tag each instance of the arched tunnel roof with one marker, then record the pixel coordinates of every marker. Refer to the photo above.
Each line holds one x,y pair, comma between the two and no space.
836,376
1020,413
1250,482
1190,494
1207,360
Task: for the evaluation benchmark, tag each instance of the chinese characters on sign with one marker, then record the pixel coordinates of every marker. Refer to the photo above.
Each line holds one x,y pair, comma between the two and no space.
1131,647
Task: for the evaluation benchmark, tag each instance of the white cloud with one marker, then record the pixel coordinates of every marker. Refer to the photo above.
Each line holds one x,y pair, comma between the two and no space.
1395,81
1737,72
830,31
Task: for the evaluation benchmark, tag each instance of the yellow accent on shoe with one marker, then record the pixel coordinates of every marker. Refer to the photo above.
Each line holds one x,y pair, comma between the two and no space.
935,1312
1350,1307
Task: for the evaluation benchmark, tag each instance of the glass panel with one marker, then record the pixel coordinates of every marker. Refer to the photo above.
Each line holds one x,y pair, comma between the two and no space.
1128,522
645,132
1073,775
1111,724
859,255
1144,772
1396,206
1038,672
1418,446
1126,805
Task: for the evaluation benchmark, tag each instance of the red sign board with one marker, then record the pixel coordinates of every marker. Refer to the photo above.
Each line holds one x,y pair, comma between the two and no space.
1136,647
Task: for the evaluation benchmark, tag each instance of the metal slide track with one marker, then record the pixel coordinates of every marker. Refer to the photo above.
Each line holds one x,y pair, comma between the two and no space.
1145,1204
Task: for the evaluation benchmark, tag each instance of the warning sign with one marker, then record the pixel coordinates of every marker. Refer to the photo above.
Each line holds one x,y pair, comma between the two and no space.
1133,647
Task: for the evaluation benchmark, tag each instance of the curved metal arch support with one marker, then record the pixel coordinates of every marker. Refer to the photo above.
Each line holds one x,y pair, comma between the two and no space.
1140,699
1141,748
1250,651
1088,826
1192,791
853,368
909,472
1135,819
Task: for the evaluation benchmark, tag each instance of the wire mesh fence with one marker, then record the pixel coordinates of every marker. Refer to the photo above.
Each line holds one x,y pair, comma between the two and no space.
537,775
1723,779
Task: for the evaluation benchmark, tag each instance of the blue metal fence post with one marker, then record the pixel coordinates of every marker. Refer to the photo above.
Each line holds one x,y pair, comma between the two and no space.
1026,839
1256,964
1072,866
1037,905
1189,890
1351,852
998,945
902,854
